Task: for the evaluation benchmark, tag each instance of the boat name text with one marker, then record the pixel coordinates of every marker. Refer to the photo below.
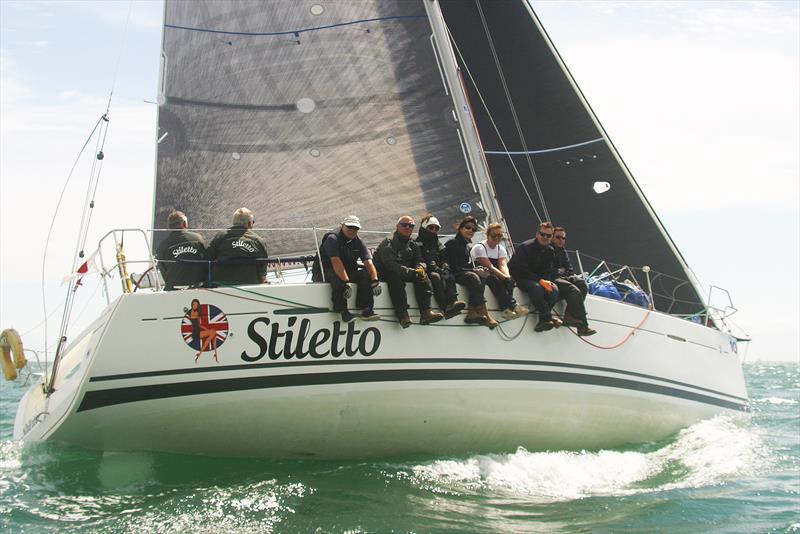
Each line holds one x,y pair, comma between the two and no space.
180,250
288,344
243,244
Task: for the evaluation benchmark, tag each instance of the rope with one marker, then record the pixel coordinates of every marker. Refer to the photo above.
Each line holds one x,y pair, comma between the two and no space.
507,337
619,344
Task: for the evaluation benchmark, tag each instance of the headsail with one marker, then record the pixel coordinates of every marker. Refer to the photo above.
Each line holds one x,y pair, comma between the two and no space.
546,150
305,113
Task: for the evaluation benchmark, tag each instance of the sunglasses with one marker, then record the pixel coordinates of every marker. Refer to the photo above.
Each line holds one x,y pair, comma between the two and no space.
406,225
496,236
470,227
433,228
548,236
355,228
559,237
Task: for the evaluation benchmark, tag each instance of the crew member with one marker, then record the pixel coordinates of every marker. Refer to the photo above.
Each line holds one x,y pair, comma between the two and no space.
531,267
493,257
571,287
181,256
460,262
339,253
398,260
239,253
442,280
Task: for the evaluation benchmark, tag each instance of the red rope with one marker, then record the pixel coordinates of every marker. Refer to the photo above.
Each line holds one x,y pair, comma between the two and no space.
624,340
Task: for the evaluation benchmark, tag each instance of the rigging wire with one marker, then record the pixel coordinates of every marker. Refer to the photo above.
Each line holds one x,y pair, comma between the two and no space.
87,210
494,125
512,108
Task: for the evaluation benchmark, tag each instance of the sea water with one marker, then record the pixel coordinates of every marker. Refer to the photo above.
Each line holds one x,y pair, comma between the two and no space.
720,475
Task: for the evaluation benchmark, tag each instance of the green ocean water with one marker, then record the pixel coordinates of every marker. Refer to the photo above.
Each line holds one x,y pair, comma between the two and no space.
721,475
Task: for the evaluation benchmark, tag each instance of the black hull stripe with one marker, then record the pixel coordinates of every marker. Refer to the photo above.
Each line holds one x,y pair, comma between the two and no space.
365,361
111,397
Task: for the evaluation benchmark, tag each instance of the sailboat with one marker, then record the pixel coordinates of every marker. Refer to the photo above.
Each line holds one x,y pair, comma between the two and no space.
307,113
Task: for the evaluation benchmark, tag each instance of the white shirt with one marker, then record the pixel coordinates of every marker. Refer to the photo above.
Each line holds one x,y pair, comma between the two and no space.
483,250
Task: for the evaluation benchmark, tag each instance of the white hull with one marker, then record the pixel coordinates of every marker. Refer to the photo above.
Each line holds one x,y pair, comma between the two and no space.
130,381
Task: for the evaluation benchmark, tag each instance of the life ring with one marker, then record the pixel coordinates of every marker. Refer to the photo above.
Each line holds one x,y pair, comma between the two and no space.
11,343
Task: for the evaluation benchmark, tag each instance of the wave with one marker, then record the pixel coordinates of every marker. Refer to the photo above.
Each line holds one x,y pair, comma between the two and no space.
707,453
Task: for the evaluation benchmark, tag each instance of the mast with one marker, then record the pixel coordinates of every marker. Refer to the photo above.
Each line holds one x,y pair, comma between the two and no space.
467,129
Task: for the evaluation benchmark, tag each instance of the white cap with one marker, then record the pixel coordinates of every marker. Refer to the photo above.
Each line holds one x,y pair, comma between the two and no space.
433,221
351,220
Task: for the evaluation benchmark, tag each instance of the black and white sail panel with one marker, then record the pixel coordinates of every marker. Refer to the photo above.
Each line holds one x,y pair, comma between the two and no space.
305,112
547,153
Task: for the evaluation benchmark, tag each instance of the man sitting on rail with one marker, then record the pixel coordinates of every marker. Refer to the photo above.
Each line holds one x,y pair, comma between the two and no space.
571,287
531,266
399,260
339,253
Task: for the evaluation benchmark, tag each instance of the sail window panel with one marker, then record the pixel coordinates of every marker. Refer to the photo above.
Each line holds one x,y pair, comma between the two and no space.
363,74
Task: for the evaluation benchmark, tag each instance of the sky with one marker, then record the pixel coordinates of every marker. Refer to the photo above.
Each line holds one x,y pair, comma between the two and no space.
702,99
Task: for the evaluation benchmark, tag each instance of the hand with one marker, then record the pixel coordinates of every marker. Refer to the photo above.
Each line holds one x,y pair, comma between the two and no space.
376,288
348,291
547,285
421,275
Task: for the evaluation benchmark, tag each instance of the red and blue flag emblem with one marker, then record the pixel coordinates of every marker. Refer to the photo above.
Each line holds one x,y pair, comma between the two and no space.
204,327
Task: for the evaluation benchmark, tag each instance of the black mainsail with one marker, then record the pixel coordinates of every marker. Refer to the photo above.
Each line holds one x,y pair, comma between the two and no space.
305,113
546,149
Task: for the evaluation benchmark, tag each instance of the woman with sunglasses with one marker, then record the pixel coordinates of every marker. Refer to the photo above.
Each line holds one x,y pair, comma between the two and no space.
457,251
492,256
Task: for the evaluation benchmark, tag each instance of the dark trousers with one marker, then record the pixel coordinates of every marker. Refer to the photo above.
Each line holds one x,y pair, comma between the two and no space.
573,289
444,288
541,299
397,292
363,289
475,287
503,291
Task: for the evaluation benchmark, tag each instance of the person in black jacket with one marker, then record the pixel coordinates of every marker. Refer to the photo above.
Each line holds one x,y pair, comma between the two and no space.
460,262
571,287
399,260
181,255
531,267
339,253
239,253
442,280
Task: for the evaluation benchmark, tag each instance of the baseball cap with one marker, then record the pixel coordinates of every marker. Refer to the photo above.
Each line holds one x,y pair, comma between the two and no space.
351,220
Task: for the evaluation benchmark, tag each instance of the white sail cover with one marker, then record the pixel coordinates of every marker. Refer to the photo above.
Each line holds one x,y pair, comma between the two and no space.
305,113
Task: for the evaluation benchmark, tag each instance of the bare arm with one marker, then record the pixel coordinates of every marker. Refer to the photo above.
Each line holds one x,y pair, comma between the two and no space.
338,268
370,267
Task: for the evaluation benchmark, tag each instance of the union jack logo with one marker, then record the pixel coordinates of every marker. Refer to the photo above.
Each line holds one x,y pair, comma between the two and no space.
204,327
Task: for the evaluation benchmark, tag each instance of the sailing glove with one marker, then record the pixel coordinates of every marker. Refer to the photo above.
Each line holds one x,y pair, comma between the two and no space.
376,288
420,273
547,285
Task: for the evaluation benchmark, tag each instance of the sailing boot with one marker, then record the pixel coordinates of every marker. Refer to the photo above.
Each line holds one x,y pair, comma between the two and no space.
474,316
489,321
453,309
545,323
405,321
428,316
569,320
